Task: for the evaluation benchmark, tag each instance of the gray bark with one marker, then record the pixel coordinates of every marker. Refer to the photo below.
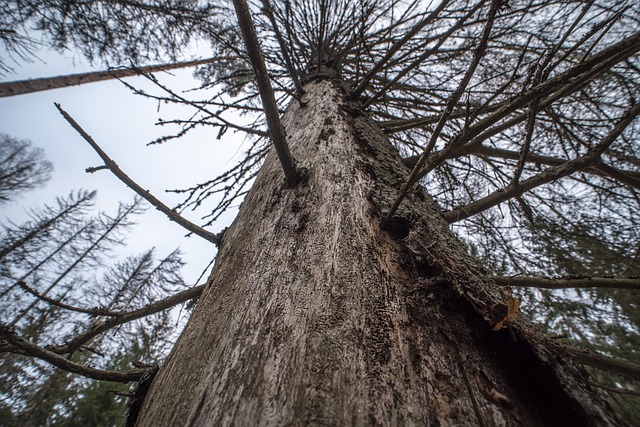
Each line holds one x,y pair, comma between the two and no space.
314,315
22,87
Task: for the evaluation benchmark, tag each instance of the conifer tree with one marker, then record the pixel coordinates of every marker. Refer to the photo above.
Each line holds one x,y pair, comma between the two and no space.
391,141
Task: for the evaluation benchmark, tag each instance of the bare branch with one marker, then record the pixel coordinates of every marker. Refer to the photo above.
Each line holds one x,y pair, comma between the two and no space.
115,169
424,56
524,152
98,327
607,363
92,311
37,85
400,43
627,177
567,282
266,91
117,222
549,175
27,348
554,88
451,103
283,46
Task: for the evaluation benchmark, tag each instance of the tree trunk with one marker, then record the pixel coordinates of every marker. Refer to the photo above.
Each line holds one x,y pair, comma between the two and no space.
22,87
313,315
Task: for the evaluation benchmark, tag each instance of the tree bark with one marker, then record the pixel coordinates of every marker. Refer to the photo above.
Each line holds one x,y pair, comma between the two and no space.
314,315
22,87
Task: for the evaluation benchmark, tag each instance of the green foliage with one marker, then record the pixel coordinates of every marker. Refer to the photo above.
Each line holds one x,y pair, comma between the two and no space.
96,403
22,167
606,321
60,250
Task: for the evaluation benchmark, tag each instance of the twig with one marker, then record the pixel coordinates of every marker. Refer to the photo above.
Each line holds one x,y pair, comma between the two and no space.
115,169
524,152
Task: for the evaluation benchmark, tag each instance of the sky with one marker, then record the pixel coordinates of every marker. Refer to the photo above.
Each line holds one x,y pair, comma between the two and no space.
122,124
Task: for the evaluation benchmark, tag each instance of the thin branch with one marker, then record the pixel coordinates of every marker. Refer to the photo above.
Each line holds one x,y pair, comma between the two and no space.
115,169
283,47
567,282
100,326
266,91
527,142
175,98
424,56
27,348
399,44
451,103
549,175
630,178
560,86
607,363
627,177
92,311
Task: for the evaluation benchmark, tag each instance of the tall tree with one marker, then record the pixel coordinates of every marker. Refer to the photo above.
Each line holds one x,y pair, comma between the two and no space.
50,257
343,323
340,294
47,83
22,167
121,31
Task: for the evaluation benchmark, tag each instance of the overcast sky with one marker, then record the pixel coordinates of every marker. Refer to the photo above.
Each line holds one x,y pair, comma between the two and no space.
122,123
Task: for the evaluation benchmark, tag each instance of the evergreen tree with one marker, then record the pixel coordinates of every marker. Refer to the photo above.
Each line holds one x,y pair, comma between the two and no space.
340,294
54,255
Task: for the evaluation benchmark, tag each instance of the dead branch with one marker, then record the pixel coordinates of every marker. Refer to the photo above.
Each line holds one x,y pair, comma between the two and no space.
38,85
607,363
451,103
545,177
627,177
396,46
266,91
91,311
100,326
115,169
567,282
554,88
268,10
26,348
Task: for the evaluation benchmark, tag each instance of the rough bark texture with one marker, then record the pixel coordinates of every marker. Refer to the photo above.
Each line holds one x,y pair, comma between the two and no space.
315,316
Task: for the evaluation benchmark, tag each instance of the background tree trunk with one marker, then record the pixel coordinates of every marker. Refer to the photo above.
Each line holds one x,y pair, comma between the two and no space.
22,87
314,315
